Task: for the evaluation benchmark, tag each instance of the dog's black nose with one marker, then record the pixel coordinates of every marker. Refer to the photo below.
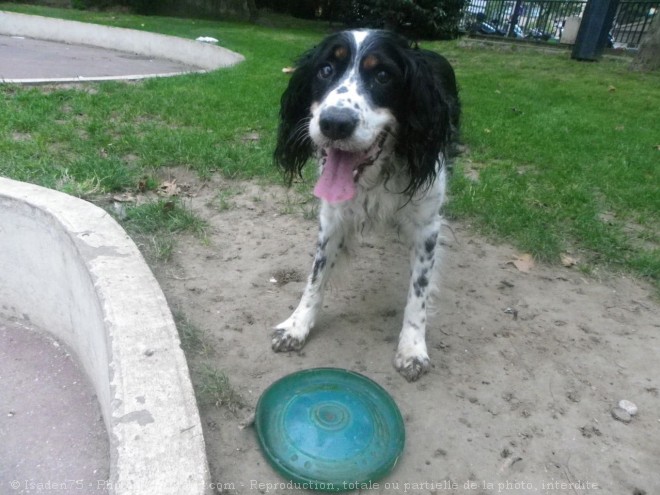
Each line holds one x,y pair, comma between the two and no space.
338,123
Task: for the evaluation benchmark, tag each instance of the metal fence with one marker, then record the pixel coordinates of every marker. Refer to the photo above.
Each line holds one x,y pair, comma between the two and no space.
632,20
554,21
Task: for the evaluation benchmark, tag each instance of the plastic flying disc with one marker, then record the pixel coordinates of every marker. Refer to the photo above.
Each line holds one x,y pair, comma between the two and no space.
329,429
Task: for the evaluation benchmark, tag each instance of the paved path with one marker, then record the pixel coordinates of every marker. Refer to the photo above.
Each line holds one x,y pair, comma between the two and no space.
51,430
30,59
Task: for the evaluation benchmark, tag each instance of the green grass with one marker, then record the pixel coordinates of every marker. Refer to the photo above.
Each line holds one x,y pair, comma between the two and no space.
165,215
223,198
153,225
213,388
111,135
567,156
566,152
193,338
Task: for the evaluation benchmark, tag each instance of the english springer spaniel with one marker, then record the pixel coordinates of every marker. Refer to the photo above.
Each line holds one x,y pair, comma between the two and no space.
380,115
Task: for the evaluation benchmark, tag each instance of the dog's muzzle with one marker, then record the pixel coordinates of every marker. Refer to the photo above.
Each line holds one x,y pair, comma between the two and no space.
338,123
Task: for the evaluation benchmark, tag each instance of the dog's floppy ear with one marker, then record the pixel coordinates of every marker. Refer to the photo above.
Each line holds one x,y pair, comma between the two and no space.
432,115
294,146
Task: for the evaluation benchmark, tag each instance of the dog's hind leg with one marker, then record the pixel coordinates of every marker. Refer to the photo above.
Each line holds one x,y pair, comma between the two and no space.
290,335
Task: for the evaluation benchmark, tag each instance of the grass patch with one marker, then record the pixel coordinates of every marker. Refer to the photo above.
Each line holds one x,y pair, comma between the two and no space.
193,338
223,199
154,225
110,135
566,152
213,388
169,216
568,157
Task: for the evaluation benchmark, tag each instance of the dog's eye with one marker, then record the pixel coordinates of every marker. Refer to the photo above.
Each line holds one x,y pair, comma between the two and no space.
326,71
383,77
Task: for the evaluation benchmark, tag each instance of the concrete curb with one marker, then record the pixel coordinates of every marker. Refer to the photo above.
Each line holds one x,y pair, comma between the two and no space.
83,79
70,269
190,52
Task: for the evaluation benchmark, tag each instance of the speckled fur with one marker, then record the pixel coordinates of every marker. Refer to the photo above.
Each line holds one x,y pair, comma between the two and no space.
383,198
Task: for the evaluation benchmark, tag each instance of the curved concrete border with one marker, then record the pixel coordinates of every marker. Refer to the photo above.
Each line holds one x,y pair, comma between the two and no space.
208,57
69,268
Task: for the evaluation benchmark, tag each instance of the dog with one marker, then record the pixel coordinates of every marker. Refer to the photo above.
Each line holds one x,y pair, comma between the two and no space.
381,116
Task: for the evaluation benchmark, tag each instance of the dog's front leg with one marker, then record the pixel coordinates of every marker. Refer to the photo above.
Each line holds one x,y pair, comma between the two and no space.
412,359
290,335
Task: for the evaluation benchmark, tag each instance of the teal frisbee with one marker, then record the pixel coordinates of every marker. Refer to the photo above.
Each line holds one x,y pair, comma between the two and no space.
329,429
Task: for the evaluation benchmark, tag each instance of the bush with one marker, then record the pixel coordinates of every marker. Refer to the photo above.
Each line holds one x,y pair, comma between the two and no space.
139,6
304,9
146,7
417,19
203,8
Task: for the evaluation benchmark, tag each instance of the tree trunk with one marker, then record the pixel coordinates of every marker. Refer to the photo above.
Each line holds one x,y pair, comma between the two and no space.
253,10
648,56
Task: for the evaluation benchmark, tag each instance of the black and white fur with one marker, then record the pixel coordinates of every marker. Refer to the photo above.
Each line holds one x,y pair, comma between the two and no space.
372,94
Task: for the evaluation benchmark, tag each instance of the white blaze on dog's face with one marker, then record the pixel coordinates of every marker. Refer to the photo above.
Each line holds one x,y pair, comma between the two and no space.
356,92
372,106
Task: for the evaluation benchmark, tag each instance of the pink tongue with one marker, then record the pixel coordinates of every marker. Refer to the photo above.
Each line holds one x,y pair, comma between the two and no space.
336,183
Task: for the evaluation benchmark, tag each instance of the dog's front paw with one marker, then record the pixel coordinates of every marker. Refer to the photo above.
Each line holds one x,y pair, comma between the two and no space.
411,367
283,340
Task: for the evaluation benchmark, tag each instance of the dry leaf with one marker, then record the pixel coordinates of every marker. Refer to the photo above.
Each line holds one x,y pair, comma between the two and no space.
611,89
487,131
568,261
524,263
169,188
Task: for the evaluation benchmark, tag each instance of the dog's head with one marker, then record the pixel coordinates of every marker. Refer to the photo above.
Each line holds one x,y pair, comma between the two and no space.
364,95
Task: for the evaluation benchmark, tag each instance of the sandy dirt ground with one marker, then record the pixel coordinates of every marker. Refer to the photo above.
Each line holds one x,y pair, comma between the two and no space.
527,367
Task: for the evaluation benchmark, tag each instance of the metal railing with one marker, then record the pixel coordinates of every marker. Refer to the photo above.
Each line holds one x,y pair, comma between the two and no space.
546,20
632,20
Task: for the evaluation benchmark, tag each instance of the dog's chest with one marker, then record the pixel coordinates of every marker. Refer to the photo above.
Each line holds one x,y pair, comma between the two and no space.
376,209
